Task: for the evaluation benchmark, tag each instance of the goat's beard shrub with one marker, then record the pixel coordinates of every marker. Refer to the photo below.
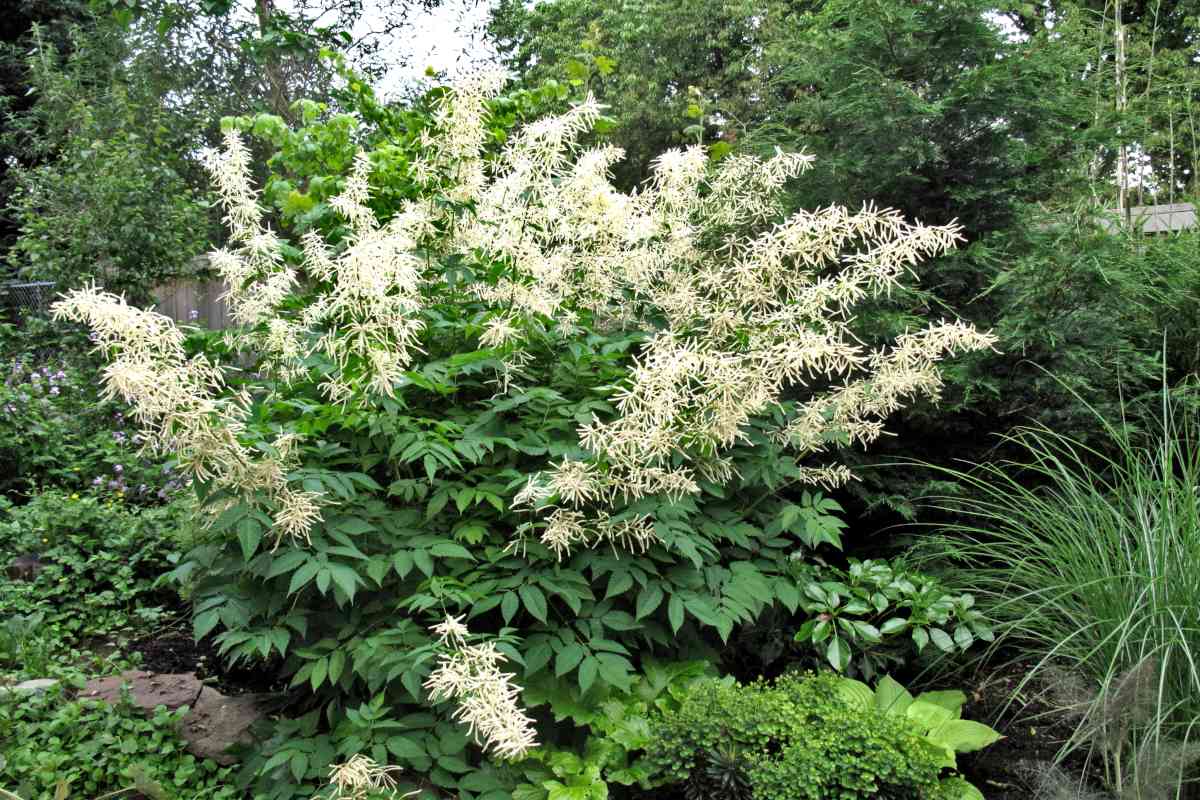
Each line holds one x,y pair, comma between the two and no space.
577,419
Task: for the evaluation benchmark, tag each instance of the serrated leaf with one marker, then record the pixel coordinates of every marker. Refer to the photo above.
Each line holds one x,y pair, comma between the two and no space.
508,606
320,669
588,670
302,576
675,613
250,534
346,579
405,747
649,599
337,662
203,624
534,602
287,562
537,657
451,550
568,658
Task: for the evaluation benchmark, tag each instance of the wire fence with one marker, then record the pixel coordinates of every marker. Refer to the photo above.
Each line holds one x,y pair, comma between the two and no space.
23,299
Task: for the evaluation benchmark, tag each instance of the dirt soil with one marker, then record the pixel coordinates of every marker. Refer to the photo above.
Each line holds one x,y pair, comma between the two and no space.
176,653
1034,730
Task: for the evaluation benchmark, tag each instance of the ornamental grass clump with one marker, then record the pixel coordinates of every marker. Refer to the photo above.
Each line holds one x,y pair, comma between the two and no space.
520,395
1087,557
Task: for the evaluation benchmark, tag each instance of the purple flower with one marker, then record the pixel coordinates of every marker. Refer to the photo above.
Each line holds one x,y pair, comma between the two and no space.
54,391
118,469
96,481
193,315
162,494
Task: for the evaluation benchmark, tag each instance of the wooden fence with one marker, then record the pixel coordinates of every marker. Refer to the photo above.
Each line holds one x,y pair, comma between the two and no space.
194,303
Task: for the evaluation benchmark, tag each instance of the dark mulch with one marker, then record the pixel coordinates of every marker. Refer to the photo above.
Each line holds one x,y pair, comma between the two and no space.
174,652
1034,731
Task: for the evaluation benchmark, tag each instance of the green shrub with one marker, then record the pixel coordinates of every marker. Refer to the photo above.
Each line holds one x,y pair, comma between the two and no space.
100,559
478,405
53,747
796,738
105,197
1088,563
874,616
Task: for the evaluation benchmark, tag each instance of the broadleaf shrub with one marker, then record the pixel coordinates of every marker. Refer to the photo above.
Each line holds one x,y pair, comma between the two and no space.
571,418
795,738
877,615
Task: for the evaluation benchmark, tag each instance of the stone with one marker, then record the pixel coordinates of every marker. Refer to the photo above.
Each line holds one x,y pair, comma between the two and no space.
24,568
35,686
213,722
217,722
147,690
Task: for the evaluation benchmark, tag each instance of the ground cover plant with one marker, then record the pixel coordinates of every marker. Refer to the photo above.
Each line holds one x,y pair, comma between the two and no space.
94,570
54,747
59,433
521,429
875,616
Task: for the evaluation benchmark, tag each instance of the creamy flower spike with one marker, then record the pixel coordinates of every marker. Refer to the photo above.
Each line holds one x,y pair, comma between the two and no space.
175,400
736,316
361,777
487,700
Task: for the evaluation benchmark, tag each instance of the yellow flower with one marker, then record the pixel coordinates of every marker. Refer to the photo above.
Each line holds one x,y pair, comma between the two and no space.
74,497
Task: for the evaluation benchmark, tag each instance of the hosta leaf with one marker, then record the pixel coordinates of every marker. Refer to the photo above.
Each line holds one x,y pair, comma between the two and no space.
891,697
963,735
